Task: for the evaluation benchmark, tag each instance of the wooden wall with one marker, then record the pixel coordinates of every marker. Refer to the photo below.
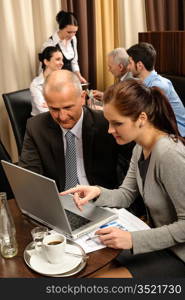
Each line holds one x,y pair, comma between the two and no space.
170,47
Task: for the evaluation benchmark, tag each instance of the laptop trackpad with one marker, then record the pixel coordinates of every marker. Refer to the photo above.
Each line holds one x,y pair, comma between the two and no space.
90,211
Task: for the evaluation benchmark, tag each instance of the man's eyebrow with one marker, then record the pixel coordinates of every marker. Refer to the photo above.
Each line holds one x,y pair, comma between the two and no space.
53,107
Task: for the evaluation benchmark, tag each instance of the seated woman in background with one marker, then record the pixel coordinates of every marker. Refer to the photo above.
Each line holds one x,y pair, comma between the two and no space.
65,38
51,59
144,115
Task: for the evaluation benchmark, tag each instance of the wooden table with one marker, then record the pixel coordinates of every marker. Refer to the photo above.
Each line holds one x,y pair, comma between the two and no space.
17,268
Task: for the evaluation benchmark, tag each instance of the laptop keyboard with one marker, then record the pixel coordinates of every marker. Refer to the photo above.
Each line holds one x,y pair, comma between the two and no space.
75,221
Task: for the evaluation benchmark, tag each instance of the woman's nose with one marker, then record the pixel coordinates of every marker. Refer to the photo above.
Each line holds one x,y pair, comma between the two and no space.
111,129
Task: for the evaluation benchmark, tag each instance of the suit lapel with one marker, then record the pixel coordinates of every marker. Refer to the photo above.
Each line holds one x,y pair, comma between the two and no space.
57,149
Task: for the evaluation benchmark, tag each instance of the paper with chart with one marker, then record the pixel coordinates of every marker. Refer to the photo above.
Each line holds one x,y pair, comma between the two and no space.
125,221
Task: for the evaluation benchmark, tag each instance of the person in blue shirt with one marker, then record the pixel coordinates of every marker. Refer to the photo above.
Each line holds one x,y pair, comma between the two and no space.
142,59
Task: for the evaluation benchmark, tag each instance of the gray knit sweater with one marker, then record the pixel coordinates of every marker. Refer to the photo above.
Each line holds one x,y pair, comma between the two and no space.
163,195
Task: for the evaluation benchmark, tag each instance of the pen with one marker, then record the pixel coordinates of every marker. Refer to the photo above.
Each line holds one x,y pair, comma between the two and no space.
93,237
108,224
114,224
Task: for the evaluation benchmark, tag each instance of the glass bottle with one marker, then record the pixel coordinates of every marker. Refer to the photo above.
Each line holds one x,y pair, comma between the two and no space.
8,241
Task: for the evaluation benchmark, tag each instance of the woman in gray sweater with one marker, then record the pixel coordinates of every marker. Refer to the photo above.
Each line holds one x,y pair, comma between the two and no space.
144,115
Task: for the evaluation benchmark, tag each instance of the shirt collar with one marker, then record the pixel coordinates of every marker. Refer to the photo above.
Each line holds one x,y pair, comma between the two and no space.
55,37
149,77
123,77
57,40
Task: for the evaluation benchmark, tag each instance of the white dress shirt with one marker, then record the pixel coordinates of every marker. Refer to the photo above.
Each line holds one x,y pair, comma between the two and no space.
77,131
126,76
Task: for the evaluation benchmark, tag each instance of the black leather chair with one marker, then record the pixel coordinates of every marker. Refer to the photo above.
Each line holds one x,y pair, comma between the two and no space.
18,106
4,184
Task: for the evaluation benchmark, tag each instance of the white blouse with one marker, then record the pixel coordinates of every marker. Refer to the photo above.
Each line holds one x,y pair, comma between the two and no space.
36,89
69,51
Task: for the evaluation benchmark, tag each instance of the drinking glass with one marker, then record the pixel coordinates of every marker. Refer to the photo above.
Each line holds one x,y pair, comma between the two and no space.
38,233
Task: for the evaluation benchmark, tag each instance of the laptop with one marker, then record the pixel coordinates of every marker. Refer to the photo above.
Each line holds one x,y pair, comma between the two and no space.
38,197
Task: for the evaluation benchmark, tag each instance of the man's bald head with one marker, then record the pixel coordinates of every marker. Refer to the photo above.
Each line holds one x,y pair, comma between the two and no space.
65,98
58,80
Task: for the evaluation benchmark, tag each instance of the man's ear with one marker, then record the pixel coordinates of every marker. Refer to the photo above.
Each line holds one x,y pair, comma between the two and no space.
140,65
83,97
121,66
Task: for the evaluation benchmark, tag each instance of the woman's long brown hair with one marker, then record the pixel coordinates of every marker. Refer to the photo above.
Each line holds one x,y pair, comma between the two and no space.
131,97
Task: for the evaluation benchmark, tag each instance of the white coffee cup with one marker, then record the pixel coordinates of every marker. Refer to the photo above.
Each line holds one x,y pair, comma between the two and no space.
53,246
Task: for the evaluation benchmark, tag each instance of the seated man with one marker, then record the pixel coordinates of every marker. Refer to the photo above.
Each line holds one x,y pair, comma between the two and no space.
142,58
117,62
95,156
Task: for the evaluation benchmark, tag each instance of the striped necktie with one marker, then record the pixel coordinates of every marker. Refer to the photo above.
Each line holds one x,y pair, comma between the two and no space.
70,161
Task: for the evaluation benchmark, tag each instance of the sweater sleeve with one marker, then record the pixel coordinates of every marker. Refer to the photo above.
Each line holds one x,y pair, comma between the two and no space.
126,193
170,176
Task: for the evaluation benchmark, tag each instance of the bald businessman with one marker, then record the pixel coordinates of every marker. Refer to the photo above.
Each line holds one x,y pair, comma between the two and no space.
99,160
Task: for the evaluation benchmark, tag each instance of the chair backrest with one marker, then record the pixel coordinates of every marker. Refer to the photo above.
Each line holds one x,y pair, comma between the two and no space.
179,85
4,184
18,106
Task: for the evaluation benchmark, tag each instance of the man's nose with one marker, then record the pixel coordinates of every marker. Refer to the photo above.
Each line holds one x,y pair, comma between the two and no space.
62,114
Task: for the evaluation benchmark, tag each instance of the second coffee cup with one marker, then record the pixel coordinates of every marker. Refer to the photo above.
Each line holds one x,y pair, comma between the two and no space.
53,246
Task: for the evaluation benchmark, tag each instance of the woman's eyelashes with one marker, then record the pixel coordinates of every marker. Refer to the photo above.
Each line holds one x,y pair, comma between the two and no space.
116,124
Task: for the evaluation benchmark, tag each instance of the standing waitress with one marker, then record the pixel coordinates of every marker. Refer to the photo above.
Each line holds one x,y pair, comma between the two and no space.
65,38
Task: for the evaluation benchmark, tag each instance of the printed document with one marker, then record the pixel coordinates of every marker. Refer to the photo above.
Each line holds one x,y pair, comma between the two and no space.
125,221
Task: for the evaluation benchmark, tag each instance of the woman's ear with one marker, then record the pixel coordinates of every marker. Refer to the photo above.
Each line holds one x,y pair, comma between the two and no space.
45,62
142,119
143,116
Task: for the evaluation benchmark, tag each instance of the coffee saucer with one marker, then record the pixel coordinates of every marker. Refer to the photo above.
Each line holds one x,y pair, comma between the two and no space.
69,265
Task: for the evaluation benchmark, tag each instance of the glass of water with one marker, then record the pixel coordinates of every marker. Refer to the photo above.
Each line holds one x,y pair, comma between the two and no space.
38,233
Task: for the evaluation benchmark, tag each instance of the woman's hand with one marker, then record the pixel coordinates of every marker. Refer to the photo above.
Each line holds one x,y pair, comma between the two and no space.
81,78
82,194
115,238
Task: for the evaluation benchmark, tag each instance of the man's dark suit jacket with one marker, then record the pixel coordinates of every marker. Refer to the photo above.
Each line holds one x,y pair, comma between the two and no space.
43,150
